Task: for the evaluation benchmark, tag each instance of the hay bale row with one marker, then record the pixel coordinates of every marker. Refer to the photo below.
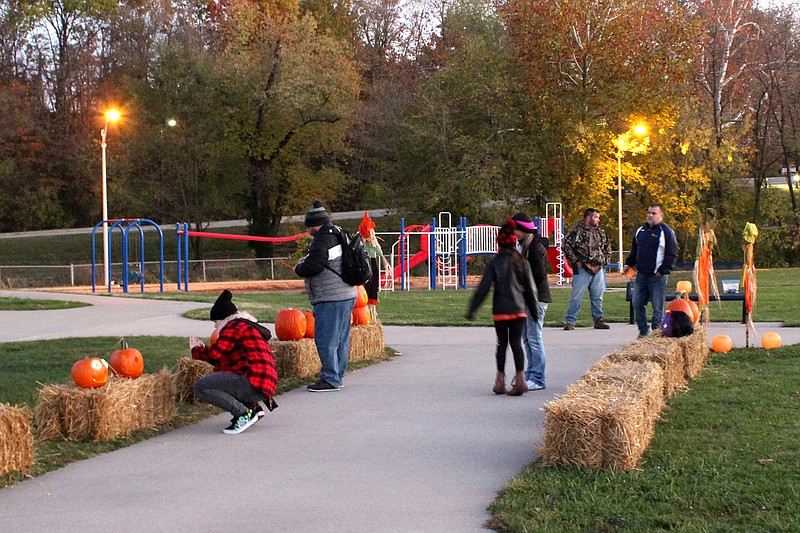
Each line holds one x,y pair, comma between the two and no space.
185,375
118,408
16,439
662,350
607,418
300,358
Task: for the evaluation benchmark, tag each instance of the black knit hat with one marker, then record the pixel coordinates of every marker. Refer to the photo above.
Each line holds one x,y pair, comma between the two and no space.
317,215
223,307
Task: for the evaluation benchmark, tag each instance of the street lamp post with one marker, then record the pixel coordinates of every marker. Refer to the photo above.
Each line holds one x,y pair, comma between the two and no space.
111,116
624,143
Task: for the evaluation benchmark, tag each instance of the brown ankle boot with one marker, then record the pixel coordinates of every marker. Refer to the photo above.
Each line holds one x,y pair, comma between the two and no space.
500,383
519,385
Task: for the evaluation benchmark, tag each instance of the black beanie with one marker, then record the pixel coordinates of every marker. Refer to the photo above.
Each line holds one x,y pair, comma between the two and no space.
316,215
223,307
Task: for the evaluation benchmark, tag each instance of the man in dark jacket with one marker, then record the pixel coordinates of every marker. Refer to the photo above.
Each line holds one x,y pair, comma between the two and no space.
332,298
588,250
534,248
654,252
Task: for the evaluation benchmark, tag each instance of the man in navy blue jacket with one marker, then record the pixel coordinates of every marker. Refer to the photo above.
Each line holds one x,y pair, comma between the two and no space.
653,255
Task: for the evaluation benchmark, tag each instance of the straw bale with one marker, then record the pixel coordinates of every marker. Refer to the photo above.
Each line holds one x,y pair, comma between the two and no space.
573,433
16,439
47,412
662,350
186,374
366,341
627,431
298,359
695,352
118,408
625,379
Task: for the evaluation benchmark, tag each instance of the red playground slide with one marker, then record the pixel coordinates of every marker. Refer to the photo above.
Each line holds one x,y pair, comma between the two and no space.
419,257
552,255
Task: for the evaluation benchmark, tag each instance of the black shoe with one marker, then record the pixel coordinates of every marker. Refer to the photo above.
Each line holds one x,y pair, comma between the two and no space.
600,324
240,423
322,386
569,327
258,410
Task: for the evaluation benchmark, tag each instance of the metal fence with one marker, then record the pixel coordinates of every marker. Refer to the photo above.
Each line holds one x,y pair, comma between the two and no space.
201,270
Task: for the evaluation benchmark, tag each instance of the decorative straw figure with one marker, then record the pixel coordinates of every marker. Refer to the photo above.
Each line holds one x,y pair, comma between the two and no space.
704,264
749,277
374,251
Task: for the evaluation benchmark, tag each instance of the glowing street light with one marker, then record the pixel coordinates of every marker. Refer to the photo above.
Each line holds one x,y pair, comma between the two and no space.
112,115
627,142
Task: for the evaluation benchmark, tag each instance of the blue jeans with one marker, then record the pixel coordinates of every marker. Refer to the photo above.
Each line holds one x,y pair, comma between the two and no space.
534,346
652,288
582,280
332,337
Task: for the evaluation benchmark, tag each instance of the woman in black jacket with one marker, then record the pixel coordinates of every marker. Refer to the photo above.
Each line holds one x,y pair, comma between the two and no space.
514,290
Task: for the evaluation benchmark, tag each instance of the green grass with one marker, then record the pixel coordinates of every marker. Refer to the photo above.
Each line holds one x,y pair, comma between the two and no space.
27,304
25,366
776,298
724,458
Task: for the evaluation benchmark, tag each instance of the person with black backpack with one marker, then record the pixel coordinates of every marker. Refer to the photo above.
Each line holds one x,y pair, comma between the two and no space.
332,297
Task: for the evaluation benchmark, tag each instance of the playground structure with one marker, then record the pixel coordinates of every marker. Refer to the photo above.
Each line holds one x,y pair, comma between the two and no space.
125,225
443,247
446,248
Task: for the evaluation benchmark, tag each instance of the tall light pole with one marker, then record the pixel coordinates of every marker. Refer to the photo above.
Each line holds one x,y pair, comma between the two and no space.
626,143
112,115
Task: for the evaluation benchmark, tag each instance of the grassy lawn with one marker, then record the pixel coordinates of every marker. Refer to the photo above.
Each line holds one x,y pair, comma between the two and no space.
776,296
27,304
26,365
724,458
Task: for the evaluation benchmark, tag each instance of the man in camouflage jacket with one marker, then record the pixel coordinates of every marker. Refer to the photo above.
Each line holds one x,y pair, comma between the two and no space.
587,250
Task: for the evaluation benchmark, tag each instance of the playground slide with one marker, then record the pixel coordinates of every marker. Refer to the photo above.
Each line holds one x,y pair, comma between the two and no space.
411,262
552,255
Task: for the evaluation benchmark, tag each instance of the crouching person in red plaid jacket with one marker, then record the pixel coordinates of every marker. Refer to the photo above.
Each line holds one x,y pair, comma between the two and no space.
244,378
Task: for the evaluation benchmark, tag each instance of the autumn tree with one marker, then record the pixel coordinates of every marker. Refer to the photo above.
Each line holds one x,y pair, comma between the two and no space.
292,92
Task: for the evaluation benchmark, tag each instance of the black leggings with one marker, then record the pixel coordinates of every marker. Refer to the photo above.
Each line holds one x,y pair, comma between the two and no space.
510,331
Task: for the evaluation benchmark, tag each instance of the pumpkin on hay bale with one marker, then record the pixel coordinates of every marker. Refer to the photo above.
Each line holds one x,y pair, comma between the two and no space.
662,350
118,408
187,372
607,418
16,439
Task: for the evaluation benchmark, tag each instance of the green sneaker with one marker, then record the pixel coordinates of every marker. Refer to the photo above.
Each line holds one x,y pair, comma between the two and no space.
240,423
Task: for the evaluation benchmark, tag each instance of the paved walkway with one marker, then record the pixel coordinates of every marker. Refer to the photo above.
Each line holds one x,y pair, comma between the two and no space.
418,443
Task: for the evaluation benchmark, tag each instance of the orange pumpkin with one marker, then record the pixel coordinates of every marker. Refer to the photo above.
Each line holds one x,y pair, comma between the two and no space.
362,298
684,286
361,315
214,337
682,304
695,311
309,324
770,340
90,373
290,325
721,343
127,363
